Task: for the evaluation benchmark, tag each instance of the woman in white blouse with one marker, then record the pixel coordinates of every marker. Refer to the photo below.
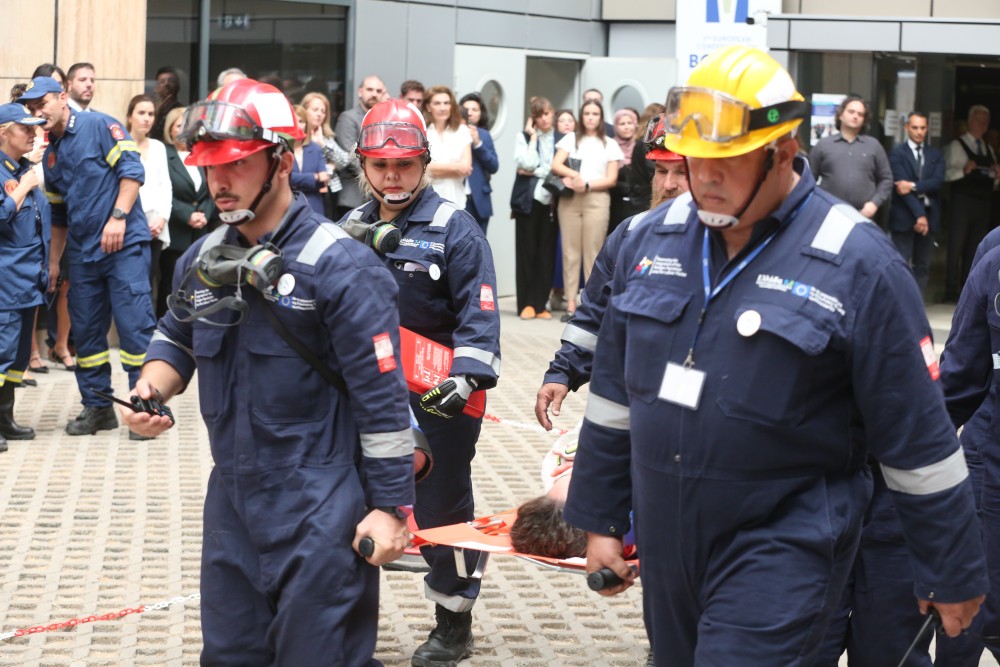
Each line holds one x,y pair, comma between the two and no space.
156,194
450,144
583,216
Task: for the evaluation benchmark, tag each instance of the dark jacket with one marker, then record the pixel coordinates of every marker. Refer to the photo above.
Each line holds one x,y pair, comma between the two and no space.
484,163
304,179
905,210
186,202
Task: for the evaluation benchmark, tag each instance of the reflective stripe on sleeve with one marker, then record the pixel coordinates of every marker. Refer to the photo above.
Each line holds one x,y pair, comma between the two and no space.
940,476
387,445
118,149
482,356
325,236
607,413
579,337
162,337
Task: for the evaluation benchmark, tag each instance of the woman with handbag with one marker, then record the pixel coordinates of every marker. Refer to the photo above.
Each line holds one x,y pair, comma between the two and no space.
535,226
583,217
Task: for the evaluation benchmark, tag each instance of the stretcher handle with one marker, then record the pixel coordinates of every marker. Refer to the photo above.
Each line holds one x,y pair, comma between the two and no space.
366,546
604,578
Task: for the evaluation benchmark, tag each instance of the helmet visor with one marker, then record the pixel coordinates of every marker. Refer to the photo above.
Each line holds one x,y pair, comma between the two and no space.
404,135
720,118
219,121
654,135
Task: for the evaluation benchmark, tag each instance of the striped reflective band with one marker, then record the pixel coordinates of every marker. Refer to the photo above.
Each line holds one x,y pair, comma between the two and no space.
836,227
607,413
118,149
443,214
163,338
579,337
387,445
482,356
94,360
939,476
131,359
679,211
53,197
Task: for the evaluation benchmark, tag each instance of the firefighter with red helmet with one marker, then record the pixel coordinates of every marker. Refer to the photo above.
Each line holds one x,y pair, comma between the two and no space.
447,293
304,468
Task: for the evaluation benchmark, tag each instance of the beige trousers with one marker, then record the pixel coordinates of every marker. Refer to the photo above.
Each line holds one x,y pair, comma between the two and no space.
583,222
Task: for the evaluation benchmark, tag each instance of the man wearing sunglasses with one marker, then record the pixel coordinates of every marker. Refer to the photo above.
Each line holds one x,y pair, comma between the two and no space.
759,345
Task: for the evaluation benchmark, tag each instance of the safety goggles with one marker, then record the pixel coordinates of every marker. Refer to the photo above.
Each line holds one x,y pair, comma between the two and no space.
720,118
652,139
221,120
405,135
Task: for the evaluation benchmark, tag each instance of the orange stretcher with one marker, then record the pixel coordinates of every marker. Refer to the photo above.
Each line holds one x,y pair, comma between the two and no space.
488,535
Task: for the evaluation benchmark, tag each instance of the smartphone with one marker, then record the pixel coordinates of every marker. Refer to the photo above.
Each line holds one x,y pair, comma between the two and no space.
465,114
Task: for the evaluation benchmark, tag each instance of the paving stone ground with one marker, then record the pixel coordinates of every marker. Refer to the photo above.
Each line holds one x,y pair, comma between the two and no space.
99,524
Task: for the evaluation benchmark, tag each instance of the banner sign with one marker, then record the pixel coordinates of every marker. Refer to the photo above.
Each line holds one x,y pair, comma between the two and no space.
706,25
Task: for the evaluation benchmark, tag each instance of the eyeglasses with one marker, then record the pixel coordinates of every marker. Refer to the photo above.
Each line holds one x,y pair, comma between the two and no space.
222,120
720,118
405,135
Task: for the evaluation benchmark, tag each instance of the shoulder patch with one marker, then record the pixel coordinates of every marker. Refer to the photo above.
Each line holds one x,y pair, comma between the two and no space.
836,227
10,186
51,160
116,131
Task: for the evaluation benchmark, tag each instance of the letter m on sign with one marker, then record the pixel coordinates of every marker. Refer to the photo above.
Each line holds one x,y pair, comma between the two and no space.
726,11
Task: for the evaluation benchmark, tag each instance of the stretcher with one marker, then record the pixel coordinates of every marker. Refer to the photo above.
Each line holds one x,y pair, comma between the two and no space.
488,535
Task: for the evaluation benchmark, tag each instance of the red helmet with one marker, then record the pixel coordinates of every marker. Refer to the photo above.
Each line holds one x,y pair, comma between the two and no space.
655,150
393,121
236,121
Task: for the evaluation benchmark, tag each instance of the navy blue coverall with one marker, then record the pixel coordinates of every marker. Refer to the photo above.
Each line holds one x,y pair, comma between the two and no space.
749,507
447,292
296,461
83,170
24,265
970,365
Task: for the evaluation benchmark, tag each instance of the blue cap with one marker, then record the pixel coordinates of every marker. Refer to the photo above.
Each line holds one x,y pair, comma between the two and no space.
18,113
40,86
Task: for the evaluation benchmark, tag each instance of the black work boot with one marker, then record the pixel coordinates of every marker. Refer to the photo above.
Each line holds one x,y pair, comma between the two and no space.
92,420
450,641
9,428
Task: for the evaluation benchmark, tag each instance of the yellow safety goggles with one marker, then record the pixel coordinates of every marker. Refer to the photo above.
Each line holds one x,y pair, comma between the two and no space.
721,118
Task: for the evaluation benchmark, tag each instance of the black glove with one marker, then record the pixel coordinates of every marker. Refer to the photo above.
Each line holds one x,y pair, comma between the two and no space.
448,398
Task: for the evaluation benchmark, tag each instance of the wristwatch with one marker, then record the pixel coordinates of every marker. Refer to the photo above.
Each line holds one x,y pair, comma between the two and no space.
118,214
394,510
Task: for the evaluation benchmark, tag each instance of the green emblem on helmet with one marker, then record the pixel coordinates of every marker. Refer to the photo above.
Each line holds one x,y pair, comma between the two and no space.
772,116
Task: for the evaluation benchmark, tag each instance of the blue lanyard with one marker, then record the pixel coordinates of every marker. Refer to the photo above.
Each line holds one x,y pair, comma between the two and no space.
707,282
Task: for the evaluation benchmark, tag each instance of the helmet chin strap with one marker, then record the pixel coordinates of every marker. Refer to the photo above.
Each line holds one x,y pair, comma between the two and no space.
245,215
394,198
724,220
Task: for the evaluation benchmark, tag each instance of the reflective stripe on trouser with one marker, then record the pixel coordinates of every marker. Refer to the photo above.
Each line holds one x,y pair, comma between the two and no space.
116,286
16,329
444,497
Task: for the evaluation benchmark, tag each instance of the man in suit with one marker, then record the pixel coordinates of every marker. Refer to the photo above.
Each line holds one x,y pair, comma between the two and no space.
348,128
915,216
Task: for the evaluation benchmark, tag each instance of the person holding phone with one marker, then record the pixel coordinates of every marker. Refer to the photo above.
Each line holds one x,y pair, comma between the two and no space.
479,201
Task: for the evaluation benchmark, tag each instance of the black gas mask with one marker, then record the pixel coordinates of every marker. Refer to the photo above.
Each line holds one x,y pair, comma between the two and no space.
383,236
260,267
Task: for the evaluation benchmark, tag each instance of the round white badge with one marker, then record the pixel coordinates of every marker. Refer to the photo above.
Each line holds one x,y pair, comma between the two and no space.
435,272
748,323
286,284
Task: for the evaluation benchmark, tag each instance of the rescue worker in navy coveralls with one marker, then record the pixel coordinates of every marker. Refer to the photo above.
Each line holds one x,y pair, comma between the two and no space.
969,376
447,292
92,178
298,463
570,369
24,243
745,368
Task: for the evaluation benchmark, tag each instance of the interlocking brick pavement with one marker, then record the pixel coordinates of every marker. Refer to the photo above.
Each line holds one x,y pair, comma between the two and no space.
97,524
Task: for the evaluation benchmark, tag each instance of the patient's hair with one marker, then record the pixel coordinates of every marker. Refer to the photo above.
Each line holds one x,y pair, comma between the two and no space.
541,531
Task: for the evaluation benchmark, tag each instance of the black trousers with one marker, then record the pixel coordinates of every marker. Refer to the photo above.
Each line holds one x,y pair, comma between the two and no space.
968,223
535,254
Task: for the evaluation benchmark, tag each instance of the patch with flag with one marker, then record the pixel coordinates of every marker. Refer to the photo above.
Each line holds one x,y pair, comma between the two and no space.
384,353
927,348
486,301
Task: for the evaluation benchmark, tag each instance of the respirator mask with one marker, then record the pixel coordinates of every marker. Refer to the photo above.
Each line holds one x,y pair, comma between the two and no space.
259,267
383,236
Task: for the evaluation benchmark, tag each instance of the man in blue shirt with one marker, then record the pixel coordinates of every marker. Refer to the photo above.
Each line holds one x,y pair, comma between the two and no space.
92,179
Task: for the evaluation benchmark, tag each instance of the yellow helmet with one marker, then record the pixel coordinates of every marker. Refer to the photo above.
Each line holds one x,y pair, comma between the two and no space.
737,100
